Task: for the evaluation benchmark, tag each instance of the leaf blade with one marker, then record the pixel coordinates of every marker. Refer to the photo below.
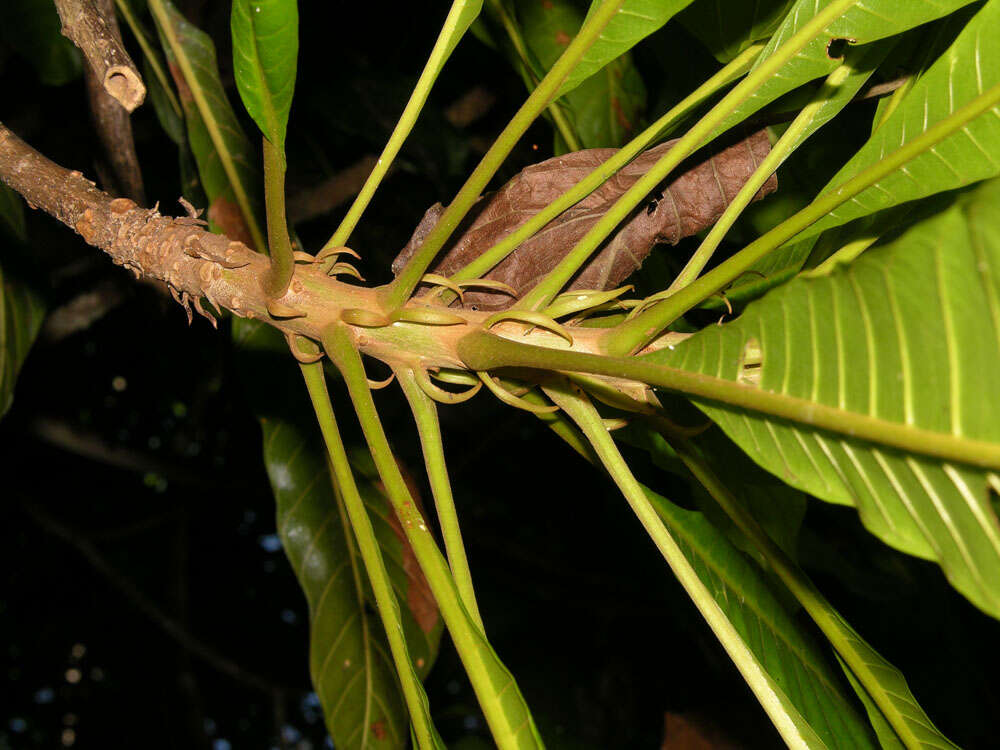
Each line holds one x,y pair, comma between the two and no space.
860,22
898,334
226,159
967,68
265,53
350,663
635,20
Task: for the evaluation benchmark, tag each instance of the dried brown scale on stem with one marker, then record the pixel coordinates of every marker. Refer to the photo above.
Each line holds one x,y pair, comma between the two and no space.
688,204
190,260
112,123
87,27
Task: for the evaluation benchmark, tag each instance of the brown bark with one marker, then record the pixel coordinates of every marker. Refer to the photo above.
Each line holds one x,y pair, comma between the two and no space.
112,122
175,250
87,27
689,203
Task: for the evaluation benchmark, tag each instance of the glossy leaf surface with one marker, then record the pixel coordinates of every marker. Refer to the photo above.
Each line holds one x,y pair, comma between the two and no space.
225,157
909,333
727,29
604,108
351,668
970,66
265,53
635,20
860,22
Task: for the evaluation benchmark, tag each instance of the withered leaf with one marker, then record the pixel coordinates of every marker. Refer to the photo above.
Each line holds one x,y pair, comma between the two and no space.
689,203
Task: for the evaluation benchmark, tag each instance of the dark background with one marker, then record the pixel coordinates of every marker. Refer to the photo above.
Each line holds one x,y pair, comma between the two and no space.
144,597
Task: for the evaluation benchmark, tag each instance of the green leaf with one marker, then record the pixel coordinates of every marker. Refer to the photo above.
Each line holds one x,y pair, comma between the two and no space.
225,157
506,713
32,27
635,20
895,691
737,483
265,53
718,586
892,708
727,29
604,109
350,664
607,108
793,660
860,22
168,108
22,309
887,738
171,120
908,334
21,313
965,70
778,508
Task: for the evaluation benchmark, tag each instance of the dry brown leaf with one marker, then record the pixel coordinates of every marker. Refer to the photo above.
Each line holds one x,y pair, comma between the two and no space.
688,204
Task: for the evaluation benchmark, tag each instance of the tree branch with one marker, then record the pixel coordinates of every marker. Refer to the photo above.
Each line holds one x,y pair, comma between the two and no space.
84,24
195,263
112,123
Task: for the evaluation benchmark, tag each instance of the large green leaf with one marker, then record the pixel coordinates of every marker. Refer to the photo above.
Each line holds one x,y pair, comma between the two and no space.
729,28
605,108
635,20
786,673
909,335
226,159
265,53
21,307
782,644
970,66
778,508
883,690
860,22
894,712
352,671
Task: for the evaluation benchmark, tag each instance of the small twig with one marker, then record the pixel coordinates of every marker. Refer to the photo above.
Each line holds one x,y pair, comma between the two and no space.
112,122
149,608
84,24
